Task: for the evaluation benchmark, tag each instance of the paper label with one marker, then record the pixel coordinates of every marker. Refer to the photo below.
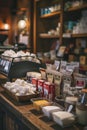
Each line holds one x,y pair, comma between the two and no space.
70,108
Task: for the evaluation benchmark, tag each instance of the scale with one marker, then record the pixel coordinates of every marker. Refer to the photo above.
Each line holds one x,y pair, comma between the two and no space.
17,68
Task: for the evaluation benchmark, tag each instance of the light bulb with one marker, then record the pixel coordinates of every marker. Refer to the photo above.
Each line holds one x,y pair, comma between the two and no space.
6,26
21,24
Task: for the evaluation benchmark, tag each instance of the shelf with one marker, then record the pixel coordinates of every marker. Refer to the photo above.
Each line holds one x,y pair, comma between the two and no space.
37,0
48,36
65,35
79,35
4,30
51,14
77,7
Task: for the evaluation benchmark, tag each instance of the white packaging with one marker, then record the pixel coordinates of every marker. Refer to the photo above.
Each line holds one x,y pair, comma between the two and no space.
63,118
48,110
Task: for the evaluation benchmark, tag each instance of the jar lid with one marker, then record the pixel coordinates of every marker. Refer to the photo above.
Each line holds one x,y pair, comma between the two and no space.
81,106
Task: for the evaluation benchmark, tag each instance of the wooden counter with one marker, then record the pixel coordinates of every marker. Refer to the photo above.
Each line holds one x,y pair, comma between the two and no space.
22,118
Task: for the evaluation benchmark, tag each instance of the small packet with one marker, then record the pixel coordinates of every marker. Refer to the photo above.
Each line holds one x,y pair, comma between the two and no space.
49,90
63,66
57,82
41,87
35,83
57,64
49,74
80,80
52,54
67,81
70,68
76,66
83,60
43,73
48,66
61,51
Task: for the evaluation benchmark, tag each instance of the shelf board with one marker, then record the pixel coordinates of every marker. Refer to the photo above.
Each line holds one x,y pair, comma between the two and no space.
50,14
78,7
48,36
4,30
74,35
37,0
79,35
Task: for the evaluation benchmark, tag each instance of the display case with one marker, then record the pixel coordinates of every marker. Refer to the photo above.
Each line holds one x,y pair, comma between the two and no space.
17,67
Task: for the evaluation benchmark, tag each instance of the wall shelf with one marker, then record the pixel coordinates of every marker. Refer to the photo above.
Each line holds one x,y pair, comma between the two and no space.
48,36
51,14
1,30
79,35
45,23
77,7
4,32
65,35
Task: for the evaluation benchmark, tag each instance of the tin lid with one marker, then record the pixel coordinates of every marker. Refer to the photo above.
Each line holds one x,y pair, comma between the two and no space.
81,106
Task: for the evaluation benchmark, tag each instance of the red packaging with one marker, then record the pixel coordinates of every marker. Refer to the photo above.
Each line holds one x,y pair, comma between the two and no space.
49,90
53,91
41,87
35,83
80,83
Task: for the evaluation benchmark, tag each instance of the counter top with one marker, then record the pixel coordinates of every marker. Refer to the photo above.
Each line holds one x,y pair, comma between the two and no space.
26,113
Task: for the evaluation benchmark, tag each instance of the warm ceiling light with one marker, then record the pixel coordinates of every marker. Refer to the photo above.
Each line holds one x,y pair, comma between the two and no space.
6,26
21,24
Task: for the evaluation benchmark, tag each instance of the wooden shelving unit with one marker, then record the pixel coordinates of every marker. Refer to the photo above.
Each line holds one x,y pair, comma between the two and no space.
47,22
79,40
44,23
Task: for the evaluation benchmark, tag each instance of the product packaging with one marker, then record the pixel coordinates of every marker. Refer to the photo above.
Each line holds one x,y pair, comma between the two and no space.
57,82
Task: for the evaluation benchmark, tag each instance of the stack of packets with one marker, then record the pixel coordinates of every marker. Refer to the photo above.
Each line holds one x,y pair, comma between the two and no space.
64,76
58,79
